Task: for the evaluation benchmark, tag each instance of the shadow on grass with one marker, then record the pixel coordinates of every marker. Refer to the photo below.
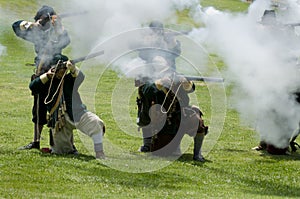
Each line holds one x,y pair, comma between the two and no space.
79,156
288,157
271,187
188,158
167,179
274,181
260,185
237,150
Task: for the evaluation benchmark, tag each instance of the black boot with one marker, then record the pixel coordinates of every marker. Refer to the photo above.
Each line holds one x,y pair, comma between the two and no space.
147,140
146,145
31,145
198,140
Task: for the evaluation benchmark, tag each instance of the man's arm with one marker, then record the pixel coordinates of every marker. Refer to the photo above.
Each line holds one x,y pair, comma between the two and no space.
76,74
25,29
173,44
63,39
38,84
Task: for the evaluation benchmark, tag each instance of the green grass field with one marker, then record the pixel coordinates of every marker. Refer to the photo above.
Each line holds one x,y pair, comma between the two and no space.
232,169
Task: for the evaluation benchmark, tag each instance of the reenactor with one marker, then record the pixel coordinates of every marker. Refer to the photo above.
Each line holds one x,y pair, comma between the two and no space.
49,38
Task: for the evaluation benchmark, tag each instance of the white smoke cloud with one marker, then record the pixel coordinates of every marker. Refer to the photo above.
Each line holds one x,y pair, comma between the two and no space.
185,4
105,19
261,63
113,25
2,50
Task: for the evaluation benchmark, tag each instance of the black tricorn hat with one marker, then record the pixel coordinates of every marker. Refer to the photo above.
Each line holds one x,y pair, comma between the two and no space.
57,58
44,11
156,24
269,15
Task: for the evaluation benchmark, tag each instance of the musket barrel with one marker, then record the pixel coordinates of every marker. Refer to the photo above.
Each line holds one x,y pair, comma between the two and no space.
64,15
92,55
292,24
204,79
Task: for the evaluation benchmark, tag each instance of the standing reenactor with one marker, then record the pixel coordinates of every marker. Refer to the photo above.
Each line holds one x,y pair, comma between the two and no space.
160,43
282,33
49,38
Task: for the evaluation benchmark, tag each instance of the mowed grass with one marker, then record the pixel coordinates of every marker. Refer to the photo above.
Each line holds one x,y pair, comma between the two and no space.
232,169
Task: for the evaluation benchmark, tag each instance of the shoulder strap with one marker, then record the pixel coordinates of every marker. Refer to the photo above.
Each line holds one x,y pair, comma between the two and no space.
58,98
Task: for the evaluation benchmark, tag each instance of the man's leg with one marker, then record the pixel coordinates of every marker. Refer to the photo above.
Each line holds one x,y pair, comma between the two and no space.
147,140
39,118
261,146
198,141
38,128
62,137
293,142
91,125
36,138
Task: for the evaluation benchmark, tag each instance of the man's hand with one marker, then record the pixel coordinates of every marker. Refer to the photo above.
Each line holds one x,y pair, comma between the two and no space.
47,76
50,73
56,22
186,84
25,25
70,66
163,83
74,71
171,41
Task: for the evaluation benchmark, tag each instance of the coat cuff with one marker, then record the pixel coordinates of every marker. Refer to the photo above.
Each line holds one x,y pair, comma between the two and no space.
75,72
24,25
187,86
44,78
158,84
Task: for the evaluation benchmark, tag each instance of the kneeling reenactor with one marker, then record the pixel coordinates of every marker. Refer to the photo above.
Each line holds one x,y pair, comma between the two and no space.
170,116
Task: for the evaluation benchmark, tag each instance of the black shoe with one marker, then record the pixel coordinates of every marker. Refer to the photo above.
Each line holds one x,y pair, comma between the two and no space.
259,148
144,149
75,151
293,146
31,145
199,159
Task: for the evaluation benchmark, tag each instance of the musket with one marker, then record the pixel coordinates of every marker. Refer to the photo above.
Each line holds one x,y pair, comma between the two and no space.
80,59
176,33
89,56
140,81
64,15
70,14
292,24
203,79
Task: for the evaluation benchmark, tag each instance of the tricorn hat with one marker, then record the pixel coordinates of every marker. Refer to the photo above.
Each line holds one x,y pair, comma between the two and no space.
57,58
44,11
157,26
269,17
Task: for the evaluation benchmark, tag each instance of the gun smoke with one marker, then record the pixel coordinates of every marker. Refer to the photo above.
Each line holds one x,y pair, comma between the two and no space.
116,25
2,49
107,19
261,62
